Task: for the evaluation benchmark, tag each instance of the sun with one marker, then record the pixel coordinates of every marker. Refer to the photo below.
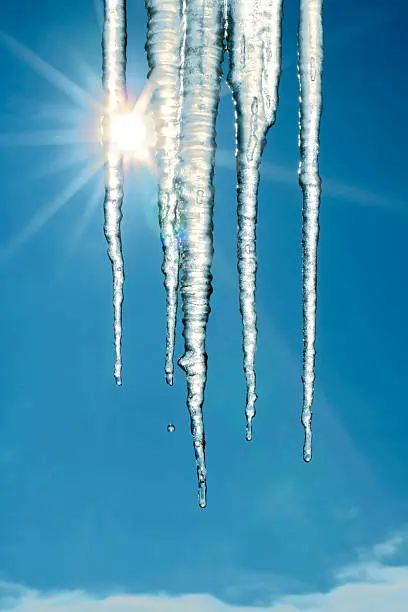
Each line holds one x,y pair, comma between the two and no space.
97,134
128,134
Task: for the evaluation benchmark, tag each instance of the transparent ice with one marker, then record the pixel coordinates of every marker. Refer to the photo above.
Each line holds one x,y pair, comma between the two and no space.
165,54
186,42
254,44
310,79
114,83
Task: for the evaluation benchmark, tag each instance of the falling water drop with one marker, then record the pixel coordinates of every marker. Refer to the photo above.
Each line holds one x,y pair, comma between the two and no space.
171,428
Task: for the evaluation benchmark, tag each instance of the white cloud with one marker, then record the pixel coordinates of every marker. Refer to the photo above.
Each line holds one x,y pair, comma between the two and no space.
366,586
390,547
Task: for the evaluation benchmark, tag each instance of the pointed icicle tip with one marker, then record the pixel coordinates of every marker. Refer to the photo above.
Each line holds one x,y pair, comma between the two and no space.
250,412
169,378
307,424
117,374
307,456
248,430
202,494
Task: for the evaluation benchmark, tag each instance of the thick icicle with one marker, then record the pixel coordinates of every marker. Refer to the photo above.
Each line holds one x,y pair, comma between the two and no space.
202,76
254,44
310,78
114,82
165,50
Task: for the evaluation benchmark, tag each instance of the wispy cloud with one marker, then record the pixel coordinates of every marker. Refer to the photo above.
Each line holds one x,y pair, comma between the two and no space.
367,586
390,547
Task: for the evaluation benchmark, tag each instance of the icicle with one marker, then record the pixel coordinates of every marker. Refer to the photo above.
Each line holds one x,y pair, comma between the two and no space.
165,51
114,82
254,44
225,18
202,76
310,79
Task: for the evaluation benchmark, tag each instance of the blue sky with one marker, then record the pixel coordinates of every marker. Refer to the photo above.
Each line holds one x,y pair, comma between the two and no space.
98,500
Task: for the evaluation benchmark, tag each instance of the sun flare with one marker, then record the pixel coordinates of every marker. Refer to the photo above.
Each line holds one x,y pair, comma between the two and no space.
129,134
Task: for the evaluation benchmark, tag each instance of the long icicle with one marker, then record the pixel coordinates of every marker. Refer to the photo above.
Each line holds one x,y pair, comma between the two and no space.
165,51
114,83
254,43
310,78
202,76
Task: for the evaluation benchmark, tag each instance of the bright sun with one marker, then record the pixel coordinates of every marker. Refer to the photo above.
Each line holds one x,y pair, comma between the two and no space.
129,135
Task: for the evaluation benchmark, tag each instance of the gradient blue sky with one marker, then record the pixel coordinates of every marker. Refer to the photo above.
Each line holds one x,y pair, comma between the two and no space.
96,496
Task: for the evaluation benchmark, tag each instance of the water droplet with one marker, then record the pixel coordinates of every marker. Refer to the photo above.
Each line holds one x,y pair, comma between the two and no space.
170,428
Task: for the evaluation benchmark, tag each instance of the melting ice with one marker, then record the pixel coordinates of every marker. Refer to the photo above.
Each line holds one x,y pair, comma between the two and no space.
114,83
310,79
165,54
186,41
254,44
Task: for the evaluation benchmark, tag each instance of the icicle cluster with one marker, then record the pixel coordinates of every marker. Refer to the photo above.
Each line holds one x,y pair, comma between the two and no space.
114,83
185,50
186,40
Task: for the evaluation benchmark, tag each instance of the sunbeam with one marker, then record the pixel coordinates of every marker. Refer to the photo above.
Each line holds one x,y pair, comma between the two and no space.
61,163
130,134
51,74
46,138
90,209
46,213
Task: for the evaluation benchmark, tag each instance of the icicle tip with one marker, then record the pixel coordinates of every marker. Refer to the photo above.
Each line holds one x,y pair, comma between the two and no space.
202,494
117,374
250,412
248,429
307,425
307,455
